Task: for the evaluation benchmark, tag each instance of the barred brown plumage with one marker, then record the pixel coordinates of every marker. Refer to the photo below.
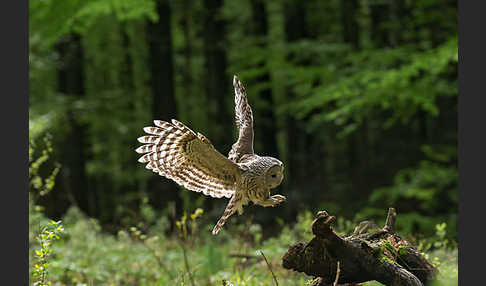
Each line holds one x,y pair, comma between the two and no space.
176,152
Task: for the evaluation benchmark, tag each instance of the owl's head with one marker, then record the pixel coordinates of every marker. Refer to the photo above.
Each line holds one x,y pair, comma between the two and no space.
274,173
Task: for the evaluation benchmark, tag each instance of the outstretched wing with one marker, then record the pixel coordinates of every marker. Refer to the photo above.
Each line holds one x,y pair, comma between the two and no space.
176,152
244,123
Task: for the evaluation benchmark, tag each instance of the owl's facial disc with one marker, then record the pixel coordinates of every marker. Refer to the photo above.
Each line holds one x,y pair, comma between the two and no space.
274,176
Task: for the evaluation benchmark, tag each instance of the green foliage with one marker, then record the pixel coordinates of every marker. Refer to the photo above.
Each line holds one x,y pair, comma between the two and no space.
184,223
441,232
367,120
78,16
387,252
85,254
400,80
48,235
333,91
188,239
434,178
102,26
38,185
446,261
423,183
438,241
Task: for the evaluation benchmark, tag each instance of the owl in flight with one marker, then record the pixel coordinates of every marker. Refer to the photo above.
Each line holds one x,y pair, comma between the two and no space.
188,158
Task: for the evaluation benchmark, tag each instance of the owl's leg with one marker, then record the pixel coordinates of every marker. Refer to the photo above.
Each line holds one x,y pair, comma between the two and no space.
232,206
272,201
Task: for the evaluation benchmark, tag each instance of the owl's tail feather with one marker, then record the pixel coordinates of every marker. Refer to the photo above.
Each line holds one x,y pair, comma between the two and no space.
230,209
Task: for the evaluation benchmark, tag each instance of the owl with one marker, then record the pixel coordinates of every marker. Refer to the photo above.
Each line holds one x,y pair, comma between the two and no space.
188,158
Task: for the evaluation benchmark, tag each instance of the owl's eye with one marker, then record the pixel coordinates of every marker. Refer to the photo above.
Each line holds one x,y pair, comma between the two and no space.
273,176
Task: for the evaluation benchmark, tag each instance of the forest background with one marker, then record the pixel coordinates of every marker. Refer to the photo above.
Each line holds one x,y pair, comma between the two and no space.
358,98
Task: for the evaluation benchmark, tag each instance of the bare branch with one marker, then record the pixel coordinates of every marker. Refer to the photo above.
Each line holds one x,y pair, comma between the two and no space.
390,220
359,257
242,255
338,270
269,267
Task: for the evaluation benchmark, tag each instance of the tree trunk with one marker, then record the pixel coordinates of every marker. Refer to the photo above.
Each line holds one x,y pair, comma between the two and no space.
70,83
349,11
380,14
295,30
162,190
186,24
370,253
357,143
160,37
266,126
305,149
217,82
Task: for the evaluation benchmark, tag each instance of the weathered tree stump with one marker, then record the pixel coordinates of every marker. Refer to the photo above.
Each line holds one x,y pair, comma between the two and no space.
370,253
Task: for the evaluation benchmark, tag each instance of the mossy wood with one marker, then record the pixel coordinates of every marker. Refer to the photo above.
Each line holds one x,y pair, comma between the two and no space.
370,253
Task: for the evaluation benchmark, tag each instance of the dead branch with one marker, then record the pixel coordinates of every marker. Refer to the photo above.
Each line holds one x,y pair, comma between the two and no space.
242,255
269,267
370,253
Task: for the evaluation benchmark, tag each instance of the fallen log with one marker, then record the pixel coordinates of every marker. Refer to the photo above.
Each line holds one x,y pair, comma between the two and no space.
369,253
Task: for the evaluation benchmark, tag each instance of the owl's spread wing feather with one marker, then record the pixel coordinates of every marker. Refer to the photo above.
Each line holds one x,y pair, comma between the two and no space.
176,152
244,123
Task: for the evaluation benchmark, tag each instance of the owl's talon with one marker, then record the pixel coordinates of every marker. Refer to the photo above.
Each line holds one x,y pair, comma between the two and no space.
278,199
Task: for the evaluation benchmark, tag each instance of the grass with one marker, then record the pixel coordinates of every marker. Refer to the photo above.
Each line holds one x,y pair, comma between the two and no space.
86,255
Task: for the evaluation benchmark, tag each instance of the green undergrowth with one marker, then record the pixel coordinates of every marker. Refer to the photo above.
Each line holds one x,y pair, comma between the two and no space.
86,255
